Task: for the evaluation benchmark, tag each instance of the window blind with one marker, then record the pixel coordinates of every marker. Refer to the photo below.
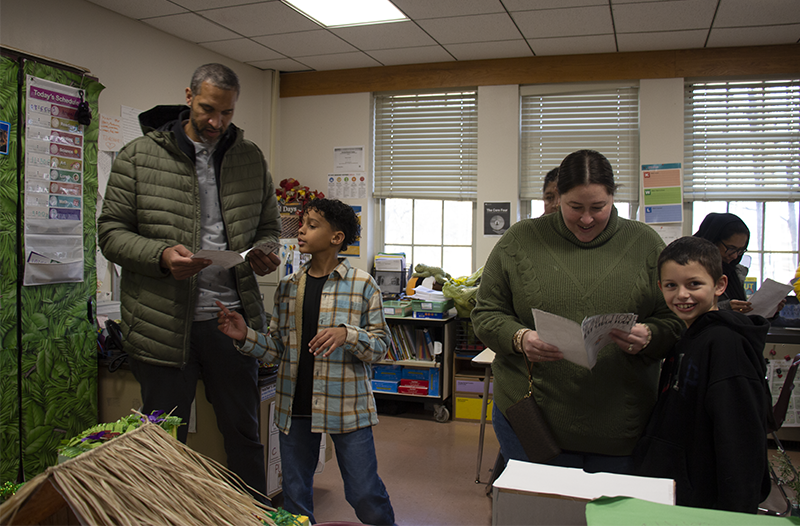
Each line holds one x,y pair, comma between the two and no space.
742,141
553,125
426,146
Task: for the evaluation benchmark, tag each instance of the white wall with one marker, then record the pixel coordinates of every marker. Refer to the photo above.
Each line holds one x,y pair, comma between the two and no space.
498,158
140,66
309,129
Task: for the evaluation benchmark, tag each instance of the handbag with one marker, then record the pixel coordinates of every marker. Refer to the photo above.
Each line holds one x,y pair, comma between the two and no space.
528,422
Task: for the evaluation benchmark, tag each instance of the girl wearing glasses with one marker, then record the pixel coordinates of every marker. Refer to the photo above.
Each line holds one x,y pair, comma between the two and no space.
731,236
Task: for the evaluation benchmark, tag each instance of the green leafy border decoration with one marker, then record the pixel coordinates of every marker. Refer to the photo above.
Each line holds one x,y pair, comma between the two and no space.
59,348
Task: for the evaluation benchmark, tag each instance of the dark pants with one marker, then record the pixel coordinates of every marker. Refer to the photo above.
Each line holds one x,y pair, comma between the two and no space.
511,449
231,382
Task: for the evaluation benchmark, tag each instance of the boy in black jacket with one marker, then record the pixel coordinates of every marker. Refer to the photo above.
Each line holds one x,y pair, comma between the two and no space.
708,430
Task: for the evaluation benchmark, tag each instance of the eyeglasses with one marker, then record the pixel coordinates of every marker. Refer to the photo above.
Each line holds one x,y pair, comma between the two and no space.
733,250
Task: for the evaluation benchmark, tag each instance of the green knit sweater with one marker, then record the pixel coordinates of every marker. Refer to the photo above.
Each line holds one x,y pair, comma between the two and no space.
539,263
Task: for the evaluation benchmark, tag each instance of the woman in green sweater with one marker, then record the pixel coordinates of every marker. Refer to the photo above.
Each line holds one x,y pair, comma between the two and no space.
580,261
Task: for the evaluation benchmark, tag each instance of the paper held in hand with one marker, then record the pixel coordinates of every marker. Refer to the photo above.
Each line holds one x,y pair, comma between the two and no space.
766,299
229,258
580,344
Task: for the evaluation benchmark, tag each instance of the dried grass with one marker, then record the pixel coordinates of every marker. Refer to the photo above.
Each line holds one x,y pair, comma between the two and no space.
146,477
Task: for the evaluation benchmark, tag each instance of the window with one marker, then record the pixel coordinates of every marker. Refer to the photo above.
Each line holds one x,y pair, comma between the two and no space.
742,155
426,176
557,120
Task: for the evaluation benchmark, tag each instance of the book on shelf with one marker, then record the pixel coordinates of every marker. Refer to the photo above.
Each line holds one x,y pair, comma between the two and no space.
409,343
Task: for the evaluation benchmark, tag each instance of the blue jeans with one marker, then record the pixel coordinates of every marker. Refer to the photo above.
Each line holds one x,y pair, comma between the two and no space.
355,454
511,448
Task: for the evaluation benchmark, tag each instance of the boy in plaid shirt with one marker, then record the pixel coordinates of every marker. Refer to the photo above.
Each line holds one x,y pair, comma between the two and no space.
327,327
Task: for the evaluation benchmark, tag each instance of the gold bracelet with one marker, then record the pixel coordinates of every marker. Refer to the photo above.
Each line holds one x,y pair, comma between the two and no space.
518,336
649,335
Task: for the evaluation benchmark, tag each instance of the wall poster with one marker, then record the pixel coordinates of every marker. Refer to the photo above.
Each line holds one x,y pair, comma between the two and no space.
54,184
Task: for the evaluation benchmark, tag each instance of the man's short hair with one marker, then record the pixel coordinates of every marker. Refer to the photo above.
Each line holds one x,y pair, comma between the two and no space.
218,75
690,248
341,216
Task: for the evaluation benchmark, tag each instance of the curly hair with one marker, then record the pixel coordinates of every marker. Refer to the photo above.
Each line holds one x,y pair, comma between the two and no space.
341,217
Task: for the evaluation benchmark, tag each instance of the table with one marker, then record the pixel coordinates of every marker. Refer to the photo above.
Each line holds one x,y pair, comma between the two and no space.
485,359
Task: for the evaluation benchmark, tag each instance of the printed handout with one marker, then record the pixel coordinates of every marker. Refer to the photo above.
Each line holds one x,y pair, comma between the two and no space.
580,344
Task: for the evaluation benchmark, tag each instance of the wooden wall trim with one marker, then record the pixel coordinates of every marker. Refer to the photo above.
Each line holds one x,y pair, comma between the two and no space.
714,62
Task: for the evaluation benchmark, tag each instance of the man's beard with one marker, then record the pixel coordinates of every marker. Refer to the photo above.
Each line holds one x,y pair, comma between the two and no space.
199,132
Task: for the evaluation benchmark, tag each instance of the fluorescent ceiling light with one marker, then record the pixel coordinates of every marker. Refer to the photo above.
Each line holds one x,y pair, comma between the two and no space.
340,13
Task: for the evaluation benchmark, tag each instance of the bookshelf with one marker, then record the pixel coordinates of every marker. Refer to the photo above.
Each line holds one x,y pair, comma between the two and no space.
418,360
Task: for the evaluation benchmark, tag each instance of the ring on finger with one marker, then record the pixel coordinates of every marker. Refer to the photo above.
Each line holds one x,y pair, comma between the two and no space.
630,347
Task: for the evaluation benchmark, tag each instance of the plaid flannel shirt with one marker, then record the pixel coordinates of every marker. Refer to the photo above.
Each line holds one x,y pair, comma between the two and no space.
342,399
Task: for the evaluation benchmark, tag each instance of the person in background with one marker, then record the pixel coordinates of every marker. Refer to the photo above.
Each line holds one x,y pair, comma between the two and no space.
708,431
193,182
731,236
327,327
550,191
580,261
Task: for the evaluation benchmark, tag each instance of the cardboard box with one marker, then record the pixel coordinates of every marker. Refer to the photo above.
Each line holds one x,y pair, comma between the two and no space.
426,374
408,382
417,390
527,493
472,385
386,386
386,372
469,407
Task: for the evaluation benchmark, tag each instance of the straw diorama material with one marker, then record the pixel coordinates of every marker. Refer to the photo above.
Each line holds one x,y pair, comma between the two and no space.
146,477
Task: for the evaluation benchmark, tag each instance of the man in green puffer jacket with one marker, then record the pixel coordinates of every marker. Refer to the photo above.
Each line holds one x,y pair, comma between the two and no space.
193,182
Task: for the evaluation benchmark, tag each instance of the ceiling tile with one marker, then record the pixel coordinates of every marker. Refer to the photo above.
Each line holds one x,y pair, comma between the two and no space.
663,16
573,45
485,50
198,5
305,43
339,61
741,13
532,5
140,8
419,9
384,36
754,36
242,49
411,55
661,40
284,64
266,18
579,21
474,28
190,27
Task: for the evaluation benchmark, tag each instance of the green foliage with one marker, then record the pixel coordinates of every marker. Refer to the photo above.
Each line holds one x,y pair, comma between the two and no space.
98,435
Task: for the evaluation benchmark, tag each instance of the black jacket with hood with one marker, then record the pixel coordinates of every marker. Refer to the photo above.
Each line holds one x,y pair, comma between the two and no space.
708,430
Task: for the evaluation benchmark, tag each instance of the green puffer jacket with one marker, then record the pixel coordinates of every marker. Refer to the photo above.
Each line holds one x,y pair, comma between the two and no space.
152,202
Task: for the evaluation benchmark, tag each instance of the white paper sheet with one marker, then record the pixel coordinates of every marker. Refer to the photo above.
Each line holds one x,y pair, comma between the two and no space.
230,258
765,300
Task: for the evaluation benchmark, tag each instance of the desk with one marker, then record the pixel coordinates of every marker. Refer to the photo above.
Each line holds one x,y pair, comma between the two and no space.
485,359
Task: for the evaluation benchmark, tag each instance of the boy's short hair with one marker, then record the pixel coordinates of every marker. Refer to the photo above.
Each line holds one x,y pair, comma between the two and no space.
341,216
690,248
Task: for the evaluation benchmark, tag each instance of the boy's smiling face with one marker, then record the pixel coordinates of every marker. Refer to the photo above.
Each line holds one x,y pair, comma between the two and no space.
689,290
